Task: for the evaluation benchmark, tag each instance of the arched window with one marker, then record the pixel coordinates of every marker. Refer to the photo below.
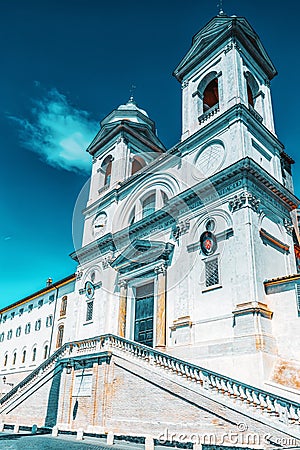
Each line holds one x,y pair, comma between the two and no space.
148,205
106,167
14,358
63,306
2,337
250,95
60,335
23,356
38,325
137,164
49,321
252,88
5,360
18,332
164,198
34,354
211,95
46,352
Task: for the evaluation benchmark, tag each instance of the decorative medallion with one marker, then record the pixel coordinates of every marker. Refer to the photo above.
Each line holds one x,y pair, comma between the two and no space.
89,289
208,243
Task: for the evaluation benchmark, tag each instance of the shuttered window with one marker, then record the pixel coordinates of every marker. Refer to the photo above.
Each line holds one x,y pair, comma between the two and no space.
212,272
89,311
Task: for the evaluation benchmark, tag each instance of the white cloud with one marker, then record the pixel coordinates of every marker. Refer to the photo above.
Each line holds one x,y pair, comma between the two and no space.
59,132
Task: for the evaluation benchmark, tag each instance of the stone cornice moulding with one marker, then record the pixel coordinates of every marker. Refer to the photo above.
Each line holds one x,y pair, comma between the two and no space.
238,174
265,236
252,308
181,322
236,113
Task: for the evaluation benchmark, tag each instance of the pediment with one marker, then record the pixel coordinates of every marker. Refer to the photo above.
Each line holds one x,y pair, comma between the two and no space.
142,252
214,34
129,130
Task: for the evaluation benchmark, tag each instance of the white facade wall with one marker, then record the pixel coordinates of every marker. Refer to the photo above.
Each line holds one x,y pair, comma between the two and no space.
28,332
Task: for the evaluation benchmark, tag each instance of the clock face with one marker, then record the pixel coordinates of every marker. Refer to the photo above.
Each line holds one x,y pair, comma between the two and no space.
99,224
210,159
89,289
208,243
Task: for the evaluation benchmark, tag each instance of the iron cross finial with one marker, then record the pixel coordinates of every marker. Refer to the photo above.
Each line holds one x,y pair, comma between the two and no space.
132,90
220,6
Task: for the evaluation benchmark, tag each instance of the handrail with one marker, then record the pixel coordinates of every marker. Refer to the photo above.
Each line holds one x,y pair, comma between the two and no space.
285,410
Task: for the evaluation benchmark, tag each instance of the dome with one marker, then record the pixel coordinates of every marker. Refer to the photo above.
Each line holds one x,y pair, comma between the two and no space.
131,112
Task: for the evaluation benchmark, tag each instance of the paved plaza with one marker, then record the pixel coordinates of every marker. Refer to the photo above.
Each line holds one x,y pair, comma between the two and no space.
10,441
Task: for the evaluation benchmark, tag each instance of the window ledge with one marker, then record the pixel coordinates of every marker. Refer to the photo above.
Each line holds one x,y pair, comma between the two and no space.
88,322
212,288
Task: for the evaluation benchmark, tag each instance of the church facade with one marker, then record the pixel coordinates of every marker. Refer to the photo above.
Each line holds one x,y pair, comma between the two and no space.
186,299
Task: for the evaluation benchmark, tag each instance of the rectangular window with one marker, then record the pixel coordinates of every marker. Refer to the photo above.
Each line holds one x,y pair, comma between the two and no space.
51,298
40,303
89,311
30,308
212,272
21,311
49,321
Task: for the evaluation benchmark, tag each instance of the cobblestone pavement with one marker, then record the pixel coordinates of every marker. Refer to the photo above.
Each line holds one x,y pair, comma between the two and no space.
10,441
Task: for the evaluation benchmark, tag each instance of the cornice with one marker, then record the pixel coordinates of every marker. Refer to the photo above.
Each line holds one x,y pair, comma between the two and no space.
97,248
236,177
236,113
253,308
281,280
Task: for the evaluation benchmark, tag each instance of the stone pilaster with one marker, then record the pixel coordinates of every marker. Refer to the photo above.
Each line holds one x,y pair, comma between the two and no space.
122,308
160,336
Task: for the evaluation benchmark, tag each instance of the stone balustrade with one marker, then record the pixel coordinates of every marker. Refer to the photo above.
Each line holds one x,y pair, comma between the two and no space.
281,409
284,410
208,114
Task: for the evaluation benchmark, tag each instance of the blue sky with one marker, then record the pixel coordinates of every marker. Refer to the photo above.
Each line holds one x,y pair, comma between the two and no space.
67,64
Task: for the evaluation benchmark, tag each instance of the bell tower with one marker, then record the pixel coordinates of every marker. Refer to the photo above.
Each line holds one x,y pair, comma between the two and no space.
125,144
225,79
226,65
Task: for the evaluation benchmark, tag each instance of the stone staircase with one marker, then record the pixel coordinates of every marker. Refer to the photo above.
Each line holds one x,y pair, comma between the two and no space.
264,407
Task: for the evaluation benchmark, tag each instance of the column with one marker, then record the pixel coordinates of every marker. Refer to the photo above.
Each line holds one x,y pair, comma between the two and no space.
160,335
122,308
